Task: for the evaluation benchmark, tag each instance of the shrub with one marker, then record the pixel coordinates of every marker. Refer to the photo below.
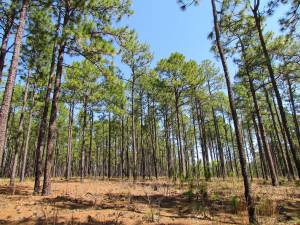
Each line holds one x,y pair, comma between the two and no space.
266,207
189,194
234,203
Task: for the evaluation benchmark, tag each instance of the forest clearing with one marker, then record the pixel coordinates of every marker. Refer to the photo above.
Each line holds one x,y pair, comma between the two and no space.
162,202
150,112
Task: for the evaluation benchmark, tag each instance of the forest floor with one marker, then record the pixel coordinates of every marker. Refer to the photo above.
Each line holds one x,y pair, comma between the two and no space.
117,202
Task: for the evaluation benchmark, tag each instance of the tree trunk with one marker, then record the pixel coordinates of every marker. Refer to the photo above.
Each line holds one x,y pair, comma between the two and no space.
141,139
7,95
82,158
203,142
182,167
91,143
109,146
52,130
44,118
133,128
70,139
252,148
28,135
122,147
247,184
5,38
292,101
260,121
19,134
286,168
257,19
289,161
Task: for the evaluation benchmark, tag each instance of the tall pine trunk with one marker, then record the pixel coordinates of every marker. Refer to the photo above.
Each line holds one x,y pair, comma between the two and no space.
52,130
7,95
247,184
257,18
5,38
44,117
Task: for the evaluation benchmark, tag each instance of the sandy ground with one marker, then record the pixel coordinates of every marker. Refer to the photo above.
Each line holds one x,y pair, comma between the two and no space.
117,202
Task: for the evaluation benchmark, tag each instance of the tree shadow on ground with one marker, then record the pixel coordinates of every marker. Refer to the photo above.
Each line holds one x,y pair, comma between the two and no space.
174,207
18,190
289,210
53,220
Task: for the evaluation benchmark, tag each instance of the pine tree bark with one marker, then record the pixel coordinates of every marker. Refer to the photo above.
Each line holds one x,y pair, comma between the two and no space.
44,117
5,38
52,130
247,184
257,19
7,95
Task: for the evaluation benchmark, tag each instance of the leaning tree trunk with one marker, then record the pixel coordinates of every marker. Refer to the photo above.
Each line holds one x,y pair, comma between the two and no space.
257,19
292,101
52,131
247,184
44,118
5,38
260,121
286,167
7,95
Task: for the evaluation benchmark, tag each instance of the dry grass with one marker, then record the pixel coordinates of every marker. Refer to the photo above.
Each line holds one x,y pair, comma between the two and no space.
147,202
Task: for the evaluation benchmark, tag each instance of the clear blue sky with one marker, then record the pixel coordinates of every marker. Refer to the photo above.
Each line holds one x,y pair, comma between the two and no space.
167,29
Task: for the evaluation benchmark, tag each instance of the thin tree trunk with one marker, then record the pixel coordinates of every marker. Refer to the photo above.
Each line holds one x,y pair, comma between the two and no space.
28,135
182,167
141,139
122,147
91,143
82,158
109,146
294,113
133,144
19,134
70,139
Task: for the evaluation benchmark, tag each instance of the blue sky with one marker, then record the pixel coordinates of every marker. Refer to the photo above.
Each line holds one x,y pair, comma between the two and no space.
167,29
